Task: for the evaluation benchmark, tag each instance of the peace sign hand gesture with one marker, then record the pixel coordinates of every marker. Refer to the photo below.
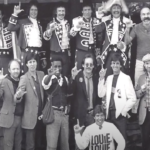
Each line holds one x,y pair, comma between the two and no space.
102,73
77,128
2,76
75,71
17,9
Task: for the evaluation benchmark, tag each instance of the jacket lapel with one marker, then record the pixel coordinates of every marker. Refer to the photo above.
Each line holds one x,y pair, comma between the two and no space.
41,89
32,83
10,85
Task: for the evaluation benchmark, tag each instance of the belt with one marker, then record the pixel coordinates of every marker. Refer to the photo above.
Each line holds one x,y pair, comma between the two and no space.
89,111
58,109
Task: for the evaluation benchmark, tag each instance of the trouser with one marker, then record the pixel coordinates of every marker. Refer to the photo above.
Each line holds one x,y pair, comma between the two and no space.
139,70
65,60
79,56
120,122
13,135
31,135
28,53
145,129
6,55
60,127
1,139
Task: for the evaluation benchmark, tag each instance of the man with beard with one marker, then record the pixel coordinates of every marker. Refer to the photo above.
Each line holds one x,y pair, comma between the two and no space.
142,34
119,92
56,86
114,29
12,109
84,30
58,33
99,135
142,92
30,35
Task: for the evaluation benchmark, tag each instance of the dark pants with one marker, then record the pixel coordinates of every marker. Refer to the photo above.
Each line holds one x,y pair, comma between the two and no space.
79,56
145,129
27,54
65,59
5,57
120,122
33,136
13,135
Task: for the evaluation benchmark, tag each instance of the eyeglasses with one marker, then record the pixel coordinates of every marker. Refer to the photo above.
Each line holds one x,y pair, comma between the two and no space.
89,65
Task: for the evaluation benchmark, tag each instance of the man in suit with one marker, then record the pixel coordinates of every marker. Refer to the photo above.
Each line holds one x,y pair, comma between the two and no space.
31,82
12,108
142,92
119,92
84,87
30,35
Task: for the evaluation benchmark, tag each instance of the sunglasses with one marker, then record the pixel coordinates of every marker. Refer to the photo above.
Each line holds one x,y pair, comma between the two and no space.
89,65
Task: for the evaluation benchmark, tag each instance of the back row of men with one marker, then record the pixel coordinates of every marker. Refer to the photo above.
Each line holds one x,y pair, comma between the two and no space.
102,36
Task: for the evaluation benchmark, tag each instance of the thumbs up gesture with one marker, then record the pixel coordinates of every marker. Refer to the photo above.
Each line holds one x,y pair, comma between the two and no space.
75,71
102,73
77,128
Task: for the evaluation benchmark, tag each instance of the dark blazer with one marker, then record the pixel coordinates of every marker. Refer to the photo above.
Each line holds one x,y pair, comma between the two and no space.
80,103
29,118
8,107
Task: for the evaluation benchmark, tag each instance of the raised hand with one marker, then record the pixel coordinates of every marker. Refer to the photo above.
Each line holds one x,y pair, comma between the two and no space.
75,71
2,76
20,93
17,9
102,73
51,71
77,128
101,8
130,24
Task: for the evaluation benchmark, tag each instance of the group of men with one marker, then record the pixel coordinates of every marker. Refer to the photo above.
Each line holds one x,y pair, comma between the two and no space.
102,41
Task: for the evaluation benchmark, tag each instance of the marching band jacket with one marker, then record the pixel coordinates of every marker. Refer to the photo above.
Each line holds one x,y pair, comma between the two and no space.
82,36
107,26
25,26
6,38
56,36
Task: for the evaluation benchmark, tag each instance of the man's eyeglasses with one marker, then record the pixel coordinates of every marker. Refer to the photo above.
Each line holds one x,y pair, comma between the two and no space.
89,65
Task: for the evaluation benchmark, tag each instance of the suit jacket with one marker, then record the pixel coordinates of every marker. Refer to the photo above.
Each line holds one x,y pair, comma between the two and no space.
124,96
142,103
9,106
30,115
23,26
80,104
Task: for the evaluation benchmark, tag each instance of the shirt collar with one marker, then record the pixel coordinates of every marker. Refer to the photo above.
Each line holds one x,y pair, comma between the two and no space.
86,76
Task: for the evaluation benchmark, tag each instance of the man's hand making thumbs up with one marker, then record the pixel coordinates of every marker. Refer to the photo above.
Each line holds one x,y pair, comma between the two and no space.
75,71
17,9
77,128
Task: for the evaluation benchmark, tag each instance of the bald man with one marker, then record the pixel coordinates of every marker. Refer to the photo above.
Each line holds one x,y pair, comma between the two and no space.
141,32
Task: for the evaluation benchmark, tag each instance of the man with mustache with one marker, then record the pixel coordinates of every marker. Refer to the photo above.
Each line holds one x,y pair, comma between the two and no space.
114,29
142,34
57,33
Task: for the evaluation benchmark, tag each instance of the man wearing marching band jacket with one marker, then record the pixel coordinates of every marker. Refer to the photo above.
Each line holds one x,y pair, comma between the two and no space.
114,28
58,33
6,51
84,30
30,35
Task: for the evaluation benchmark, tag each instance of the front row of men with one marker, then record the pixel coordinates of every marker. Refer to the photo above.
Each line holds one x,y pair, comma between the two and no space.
23,102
